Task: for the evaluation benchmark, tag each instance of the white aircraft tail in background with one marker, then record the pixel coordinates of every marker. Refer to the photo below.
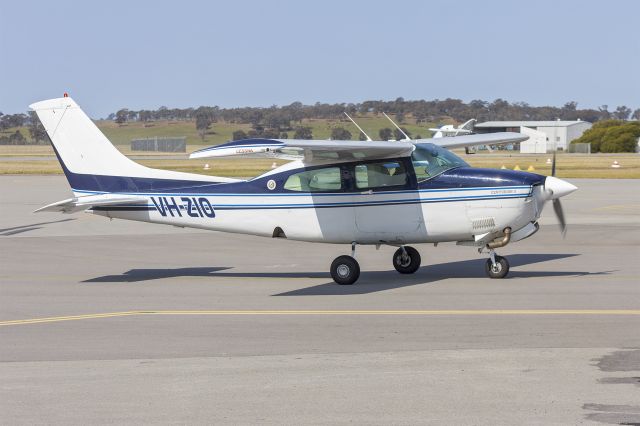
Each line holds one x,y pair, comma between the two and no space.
450,130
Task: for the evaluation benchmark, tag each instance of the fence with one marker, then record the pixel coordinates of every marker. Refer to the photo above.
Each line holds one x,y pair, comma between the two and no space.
160,144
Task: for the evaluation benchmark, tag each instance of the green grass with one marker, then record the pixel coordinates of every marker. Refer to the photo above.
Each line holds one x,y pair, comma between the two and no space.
222,132
122,135
370,124
12,130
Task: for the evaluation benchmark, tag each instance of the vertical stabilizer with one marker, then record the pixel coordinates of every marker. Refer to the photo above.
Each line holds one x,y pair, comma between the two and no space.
85,152
81,146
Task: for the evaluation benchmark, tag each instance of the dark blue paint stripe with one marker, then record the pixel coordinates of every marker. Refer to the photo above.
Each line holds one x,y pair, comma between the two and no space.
308,194
320,205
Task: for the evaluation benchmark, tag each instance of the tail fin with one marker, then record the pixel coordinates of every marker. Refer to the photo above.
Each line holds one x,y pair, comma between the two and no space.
468,125
80,145
87,156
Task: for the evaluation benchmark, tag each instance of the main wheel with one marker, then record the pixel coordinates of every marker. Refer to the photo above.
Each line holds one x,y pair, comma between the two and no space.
406,261
345,270
499,270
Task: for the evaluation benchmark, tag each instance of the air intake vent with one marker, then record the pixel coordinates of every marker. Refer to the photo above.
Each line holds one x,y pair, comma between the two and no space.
483,223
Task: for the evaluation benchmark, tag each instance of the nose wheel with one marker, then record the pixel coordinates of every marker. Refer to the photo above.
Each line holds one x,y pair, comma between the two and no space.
496,266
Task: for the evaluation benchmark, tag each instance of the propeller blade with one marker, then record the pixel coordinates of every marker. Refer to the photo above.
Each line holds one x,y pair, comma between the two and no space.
553,164
557,208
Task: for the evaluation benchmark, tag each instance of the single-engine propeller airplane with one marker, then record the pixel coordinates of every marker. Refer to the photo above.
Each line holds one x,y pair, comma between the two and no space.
342,192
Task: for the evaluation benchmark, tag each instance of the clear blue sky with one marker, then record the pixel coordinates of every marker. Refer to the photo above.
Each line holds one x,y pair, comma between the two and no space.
144,54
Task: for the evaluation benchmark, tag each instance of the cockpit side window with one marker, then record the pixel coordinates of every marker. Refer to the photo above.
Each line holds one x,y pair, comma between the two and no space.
430,160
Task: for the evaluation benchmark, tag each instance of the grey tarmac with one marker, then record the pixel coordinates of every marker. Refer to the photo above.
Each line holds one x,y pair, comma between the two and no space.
185,336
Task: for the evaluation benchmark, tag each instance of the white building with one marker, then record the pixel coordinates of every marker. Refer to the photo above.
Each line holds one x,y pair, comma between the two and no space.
544,136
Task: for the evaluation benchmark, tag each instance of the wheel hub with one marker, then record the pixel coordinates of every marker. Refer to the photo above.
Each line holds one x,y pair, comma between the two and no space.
404,260
343,271
496,268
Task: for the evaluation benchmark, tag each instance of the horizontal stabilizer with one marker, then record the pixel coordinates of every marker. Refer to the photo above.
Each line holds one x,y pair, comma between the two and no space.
76,204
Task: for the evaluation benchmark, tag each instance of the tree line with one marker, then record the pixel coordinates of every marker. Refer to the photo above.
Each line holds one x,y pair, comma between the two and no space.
612,136
420,110
30,120
276,121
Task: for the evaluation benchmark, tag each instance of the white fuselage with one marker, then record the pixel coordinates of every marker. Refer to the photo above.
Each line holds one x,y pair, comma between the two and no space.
418,216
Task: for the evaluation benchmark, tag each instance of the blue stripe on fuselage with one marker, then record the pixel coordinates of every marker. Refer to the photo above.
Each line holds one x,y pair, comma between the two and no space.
455,180
283,206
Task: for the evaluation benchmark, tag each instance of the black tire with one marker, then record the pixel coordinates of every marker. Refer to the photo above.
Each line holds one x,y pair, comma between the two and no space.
501,269
345,270
406,264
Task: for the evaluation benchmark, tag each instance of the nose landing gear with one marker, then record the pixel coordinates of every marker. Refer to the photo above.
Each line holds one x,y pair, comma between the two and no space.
496,266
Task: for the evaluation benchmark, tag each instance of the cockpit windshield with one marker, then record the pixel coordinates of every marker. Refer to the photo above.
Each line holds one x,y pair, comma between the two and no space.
430,160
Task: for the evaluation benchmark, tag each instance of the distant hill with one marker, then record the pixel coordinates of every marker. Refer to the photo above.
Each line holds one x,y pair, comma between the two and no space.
223,131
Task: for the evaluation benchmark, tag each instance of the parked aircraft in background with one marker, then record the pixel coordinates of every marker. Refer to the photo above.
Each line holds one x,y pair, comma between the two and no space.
465,128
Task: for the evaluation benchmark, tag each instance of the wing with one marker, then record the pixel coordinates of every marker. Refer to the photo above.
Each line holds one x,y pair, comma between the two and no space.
501,138
76,204
308,150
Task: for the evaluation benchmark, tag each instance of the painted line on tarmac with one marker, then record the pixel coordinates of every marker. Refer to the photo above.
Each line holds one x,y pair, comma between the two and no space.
452,312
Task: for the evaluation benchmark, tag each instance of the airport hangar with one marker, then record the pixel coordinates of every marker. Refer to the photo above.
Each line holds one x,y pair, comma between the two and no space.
544,136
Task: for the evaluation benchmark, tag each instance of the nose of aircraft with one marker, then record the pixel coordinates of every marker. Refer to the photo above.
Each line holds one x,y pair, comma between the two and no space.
556,188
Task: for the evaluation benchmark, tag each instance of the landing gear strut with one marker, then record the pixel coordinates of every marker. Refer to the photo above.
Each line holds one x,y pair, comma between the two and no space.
496,266
345,270
406,260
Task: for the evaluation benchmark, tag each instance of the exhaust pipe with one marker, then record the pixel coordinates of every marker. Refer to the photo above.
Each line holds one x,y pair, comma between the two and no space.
501,243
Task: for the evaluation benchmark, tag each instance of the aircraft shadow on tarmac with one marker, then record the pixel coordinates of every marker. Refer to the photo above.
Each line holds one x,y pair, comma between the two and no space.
370,281
6,232
136,275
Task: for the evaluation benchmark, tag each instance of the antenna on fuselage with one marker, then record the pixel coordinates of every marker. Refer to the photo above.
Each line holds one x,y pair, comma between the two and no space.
397,127
359,128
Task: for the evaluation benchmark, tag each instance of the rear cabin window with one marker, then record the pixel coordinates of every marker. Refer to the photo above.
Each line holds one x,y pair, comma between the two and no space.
380,175
318,180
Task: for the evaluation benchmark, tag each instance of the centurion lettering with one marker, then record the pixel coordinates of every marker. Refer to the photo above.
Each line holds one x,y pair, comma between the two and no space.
179,206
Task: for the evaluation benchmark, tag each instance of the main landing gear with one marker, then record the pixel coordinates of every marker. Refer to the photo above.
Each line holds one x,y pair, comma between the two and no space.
406,260
345,270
